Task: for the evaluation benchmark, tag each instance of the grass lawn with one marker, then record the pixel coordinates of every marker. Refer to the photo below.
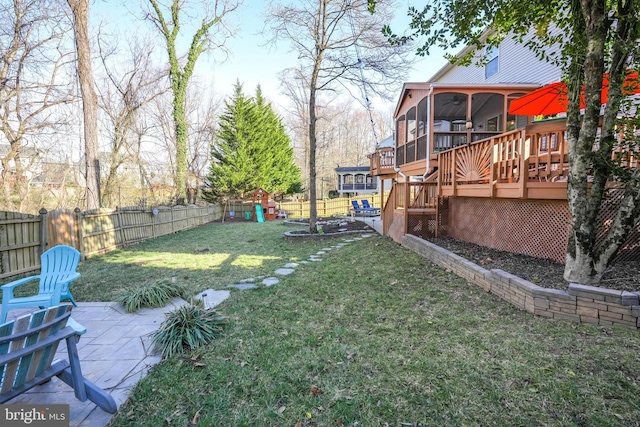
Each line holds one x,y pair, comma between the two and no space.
372,335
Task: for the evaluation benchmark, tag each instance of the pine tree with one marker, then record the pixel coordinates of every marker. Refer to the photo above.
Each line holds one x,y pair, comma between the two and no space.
251,150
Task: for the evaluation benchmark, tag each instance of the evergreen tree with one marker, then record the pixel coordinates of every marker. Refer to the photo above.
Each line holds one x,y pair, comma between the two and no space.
276,168
251,150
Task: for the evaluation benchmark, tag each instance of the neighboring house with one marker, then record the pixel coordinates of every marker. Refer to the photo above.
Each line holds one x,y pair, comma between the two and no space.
461,165
56,175
30,159
356,181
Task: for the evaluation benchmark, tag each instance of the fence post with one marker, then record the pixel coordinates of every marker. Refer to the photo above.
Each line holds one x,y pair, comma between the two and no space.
78,218
153,221
44,229
119,230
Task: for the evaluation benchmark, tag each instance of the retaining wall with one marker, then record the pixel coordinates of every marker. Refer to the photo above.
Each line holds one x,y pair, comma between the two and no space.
584,304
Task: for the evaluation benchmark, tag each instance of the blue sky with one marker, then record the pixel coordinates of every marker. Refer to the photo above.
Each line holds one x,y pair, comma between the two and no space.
249,60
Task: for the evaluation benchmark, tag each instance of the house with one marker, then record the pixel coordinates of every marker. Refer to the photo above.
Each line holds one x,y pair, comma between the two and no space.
461,165
356,181
27,158
57,174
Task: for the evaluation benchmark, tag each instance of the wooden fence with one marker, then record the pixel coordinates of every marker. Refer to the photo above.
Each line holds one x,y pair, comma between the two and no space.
102,230
22,240
24,237
300,209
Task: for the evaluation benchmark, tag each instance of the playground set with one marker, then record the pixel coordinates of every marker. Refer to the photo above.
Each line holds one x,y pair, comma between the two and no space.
262,209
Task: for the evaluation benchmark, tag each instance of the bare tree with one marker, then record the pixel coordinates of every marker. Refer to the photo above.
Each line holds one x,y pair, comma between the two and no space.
294,87
33,57
131,82
181,69
162,131
341,49
80,10
202,115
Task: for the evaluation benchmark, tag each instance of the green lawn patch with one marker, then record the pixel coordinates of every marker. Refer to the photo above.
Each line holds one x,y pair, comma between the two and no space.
372,335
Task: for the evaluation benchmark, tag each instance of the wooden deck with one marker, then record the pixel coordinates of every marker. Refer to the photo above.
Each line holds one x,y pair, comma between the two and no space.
527,163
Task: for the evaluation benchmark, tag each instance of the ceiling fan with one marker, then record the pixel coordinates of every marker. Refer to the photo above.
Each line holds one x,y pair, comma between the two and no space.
457,99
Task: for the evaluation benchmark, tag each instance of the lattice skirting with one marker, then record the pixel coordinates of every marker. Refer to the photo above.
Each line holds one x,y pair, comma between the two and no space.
427,225
535,228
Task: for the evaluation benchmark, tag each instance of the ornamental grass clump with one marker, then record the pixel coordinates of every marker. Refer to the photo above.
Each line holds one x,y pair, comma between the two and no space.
187,328
154,294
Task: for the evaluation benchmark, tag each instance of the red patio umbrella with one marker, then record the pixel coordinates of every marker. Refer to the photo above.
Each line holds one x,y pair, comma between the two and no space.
552,98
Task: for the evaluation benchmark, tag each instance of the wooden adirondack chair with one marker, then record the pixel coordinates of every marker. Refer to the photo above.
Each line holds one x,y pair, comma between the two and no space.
58,269
27,348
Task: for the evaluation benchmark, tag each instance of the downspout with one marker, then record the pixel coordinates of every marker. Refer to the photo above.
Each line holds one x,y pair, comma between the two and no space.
428,133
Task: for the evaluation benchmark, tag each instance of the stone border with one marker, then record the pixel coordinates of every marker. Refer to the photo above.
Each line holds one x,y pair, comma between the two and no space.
304,236
584,304
291,236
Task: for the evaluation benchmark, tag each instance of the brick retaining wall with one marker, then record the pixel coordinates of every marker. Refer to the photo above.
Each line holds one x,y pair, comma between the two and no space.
585,304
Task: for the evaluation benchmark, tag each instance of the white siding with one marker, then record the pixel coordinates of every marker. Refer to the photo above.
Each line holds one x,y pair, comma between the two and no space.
517,64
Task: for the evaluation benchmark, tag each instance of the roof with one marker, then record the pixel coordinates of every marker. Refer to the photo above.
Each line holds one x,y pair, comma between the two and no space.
466,49
348,169
387,142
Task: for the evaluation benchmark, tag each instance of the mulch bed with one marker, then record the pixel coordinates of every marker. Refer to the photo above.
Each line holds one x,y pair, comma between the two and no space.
331,225
624,276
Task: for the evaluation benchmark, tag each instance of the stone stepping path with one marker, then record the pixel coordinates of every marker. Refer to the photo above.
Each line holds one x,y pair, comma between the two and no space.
243,286
270,281
288,268
212,298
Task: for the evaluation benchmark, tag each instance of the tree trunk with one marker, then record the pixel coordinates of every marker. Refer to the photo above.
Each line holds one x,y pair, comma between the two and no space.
182,130
586,263
313,203
80,9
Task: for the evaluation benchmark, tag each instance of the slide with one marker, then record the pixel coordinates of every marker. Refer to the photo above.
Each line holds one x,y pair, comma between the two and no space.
259,213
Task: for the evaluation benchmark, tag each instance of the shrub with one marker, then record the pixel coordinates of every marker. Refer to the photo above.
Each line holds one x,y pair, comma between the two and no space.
187,328
156,294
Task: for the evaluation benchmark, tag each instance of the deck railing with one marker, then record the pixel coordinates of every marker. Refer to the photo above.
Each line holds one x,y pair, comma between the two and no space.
517,164
383,161
445,140
373,186
423,195
388,209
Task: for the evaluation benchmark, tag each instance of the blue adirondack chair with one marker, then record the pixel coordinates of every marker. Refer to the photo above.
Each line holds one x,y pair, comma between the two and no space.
27,356
58,269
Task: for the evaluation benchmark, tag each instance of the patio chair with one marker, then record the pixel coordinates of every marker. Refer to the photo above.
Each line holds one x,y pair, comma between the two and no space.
58,269
365,205
27,349
356,207
358,210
